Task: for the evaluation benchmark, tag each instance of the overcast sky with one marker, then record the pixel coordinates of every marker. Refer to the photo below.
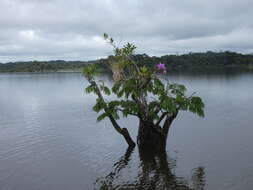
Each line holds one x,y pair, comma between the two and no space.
72,30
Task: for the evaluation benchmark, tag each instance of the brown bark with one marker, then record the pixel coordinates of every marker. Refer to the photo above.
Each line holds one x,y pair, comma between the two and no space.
150,136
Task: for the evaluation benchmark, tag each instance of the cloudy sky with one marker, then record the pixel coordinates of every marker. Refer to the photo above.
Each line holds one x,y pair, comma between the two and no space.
72,30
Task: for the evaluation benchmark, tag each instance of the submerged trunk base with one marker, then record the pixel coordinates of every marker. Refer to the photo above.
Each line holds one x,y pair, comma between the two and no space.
150,137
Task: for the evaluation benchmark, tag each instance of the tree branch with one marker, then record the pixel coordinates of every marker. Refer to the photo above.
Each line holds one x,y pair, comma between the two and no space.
171,118
167,123
139,103
123,131
161,118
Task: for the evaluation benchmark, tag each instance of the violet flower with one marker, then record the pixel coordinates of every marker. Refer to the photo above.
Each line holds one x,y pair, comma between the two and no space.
161,66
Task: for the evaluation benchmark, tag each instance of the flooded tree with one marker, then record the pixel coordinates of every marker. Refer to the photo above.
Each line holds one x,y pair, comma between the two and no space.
140,92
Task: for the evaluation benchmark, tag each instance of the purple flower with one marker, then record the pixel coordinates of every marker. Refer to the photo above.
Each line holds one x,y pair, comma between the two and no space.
161,66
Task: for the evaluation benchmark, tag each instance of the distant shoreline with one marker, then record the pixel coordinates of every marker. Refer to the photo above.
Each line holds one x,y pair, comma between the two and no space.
205,60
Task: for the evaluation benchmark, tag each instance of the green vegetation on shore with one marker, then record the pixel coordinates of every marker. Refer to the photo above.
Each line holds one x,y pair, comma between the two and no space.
43,66
186,61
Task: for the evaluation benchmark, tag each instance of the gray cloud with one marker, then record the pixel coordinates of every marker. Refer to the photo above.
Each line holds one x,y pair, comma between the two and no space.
71,30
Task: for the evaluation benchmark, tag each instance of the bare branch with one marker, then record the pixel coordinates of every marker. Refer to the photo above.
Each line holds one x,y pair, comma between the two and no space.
161,118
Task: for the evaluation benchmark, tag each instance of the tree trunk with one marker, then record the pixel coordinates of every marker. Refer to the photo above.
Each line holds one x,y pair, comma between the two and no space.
150,136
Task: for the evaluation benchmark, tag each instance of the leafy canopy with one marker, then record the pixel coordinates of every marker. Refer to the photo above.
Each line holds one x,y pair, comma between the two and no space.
140,90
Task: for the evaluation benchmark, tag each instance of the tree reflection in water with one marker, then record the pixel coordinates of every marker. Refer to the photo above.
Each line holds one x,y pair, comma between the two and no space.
155,173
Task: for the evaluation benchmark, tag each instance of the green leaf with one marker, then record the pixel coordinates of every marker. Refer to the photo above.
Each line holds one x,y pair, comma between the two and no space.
100,104
102,116
116,87
89,89
90,70
115,114
105,89
197,106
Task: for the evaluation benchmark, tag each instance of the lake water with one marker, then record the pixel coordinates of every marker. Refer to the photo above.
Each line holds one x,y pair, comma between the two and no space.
50,140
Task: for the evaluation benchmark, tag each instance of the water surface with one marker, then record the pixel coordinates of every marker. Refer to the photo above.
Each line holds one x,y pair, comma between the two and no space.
49,137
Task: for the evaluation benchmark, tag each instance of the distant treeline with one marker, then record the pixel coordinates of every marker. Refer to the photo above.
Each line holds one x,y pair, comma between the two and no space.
42,66
199,60
185,61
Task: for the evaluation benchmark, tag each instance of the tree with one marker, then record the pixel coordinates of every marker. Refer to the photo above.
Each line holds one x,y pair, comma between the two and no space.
140,92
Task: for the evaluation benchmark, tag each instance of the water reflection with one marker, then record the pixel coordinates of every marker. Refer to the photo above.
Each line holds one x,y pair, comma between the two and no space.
198,178
155,172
